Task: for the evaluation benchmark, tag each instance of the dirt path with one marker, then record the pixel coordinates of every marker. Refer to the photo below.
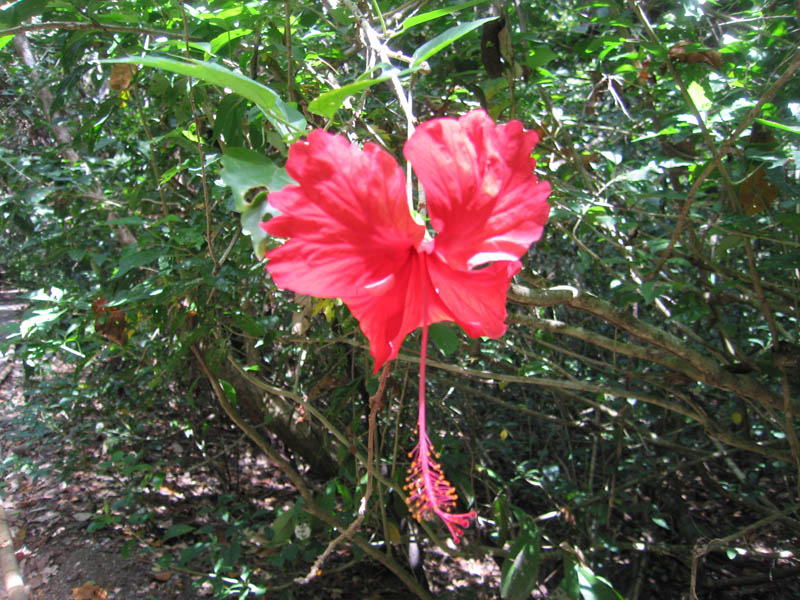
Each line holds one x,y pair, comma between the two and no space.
59,559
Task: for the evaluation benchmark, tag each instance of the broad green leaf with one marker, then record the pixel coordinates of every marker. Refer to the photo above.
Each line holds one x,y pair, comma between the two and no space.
223,39
540,56
5,40
580,583
435,14
134,258
286,119
445,337
41,319
520,569
649,291
594,587
789,220
177,531
245,170
283,526
251,176
228,122
441,41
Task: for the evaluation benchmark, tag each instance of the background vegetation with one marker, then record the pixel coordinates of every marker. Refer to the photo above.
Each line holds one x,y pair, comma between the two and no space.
642,404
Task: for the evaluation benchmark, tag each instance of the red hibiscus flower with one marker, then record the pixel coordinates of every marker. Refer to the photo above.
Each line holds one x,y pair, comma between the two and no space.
350,235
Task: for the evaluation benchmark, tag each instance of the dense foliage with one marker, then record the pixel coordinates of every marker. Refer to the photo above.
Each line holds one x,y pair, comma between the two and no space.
643,400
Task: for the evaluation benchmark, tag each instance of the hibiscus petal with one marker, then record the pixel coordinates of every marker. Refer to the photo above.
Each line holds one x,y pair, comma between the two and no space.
387,318
482,195
477,298
347,220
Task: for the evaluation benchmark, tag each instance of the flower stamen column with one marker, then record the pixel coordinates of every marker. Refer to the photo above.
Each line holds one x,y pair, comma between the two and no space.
429,493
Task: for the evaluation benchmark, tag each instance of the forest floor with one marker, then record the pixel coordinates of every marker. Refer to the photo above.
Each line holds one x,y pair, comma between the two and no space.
54,491
49,512
47,516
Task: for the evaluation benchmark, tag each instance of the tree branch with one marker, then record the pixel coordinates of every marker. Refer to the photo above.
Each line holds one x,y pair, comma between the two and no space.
77,26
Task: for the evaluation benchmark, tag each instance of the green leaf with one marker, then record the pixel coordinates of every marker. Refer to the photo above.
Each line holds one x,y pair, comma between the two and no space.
435,14
502,517
660,522
445,337
251,176
520,569
132,220
698,96
228,122
781,126
328,103
21,11
283,526
133,258
540,56
594,587
223,39
177,531
286,119
230,391
441,41
245,170
649,291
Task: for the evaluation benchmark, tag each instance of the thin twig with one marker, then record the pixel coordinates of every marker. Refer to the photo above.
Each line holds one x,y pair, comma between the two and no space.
287,36
375,404
150,153
78,26
200,151
297,481
702,549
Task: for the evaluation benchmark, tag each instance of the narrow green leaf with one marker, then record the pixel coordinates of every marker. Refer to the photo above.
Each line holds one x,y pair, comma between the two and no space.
660,522
781,126
328,103
286,119
177,531
444,39
435,14
230,391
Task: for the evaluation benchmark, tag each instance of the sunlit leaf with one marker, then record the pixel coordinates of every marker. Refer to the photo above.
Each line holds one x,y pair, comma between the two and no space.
441,41
440,12
284,117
